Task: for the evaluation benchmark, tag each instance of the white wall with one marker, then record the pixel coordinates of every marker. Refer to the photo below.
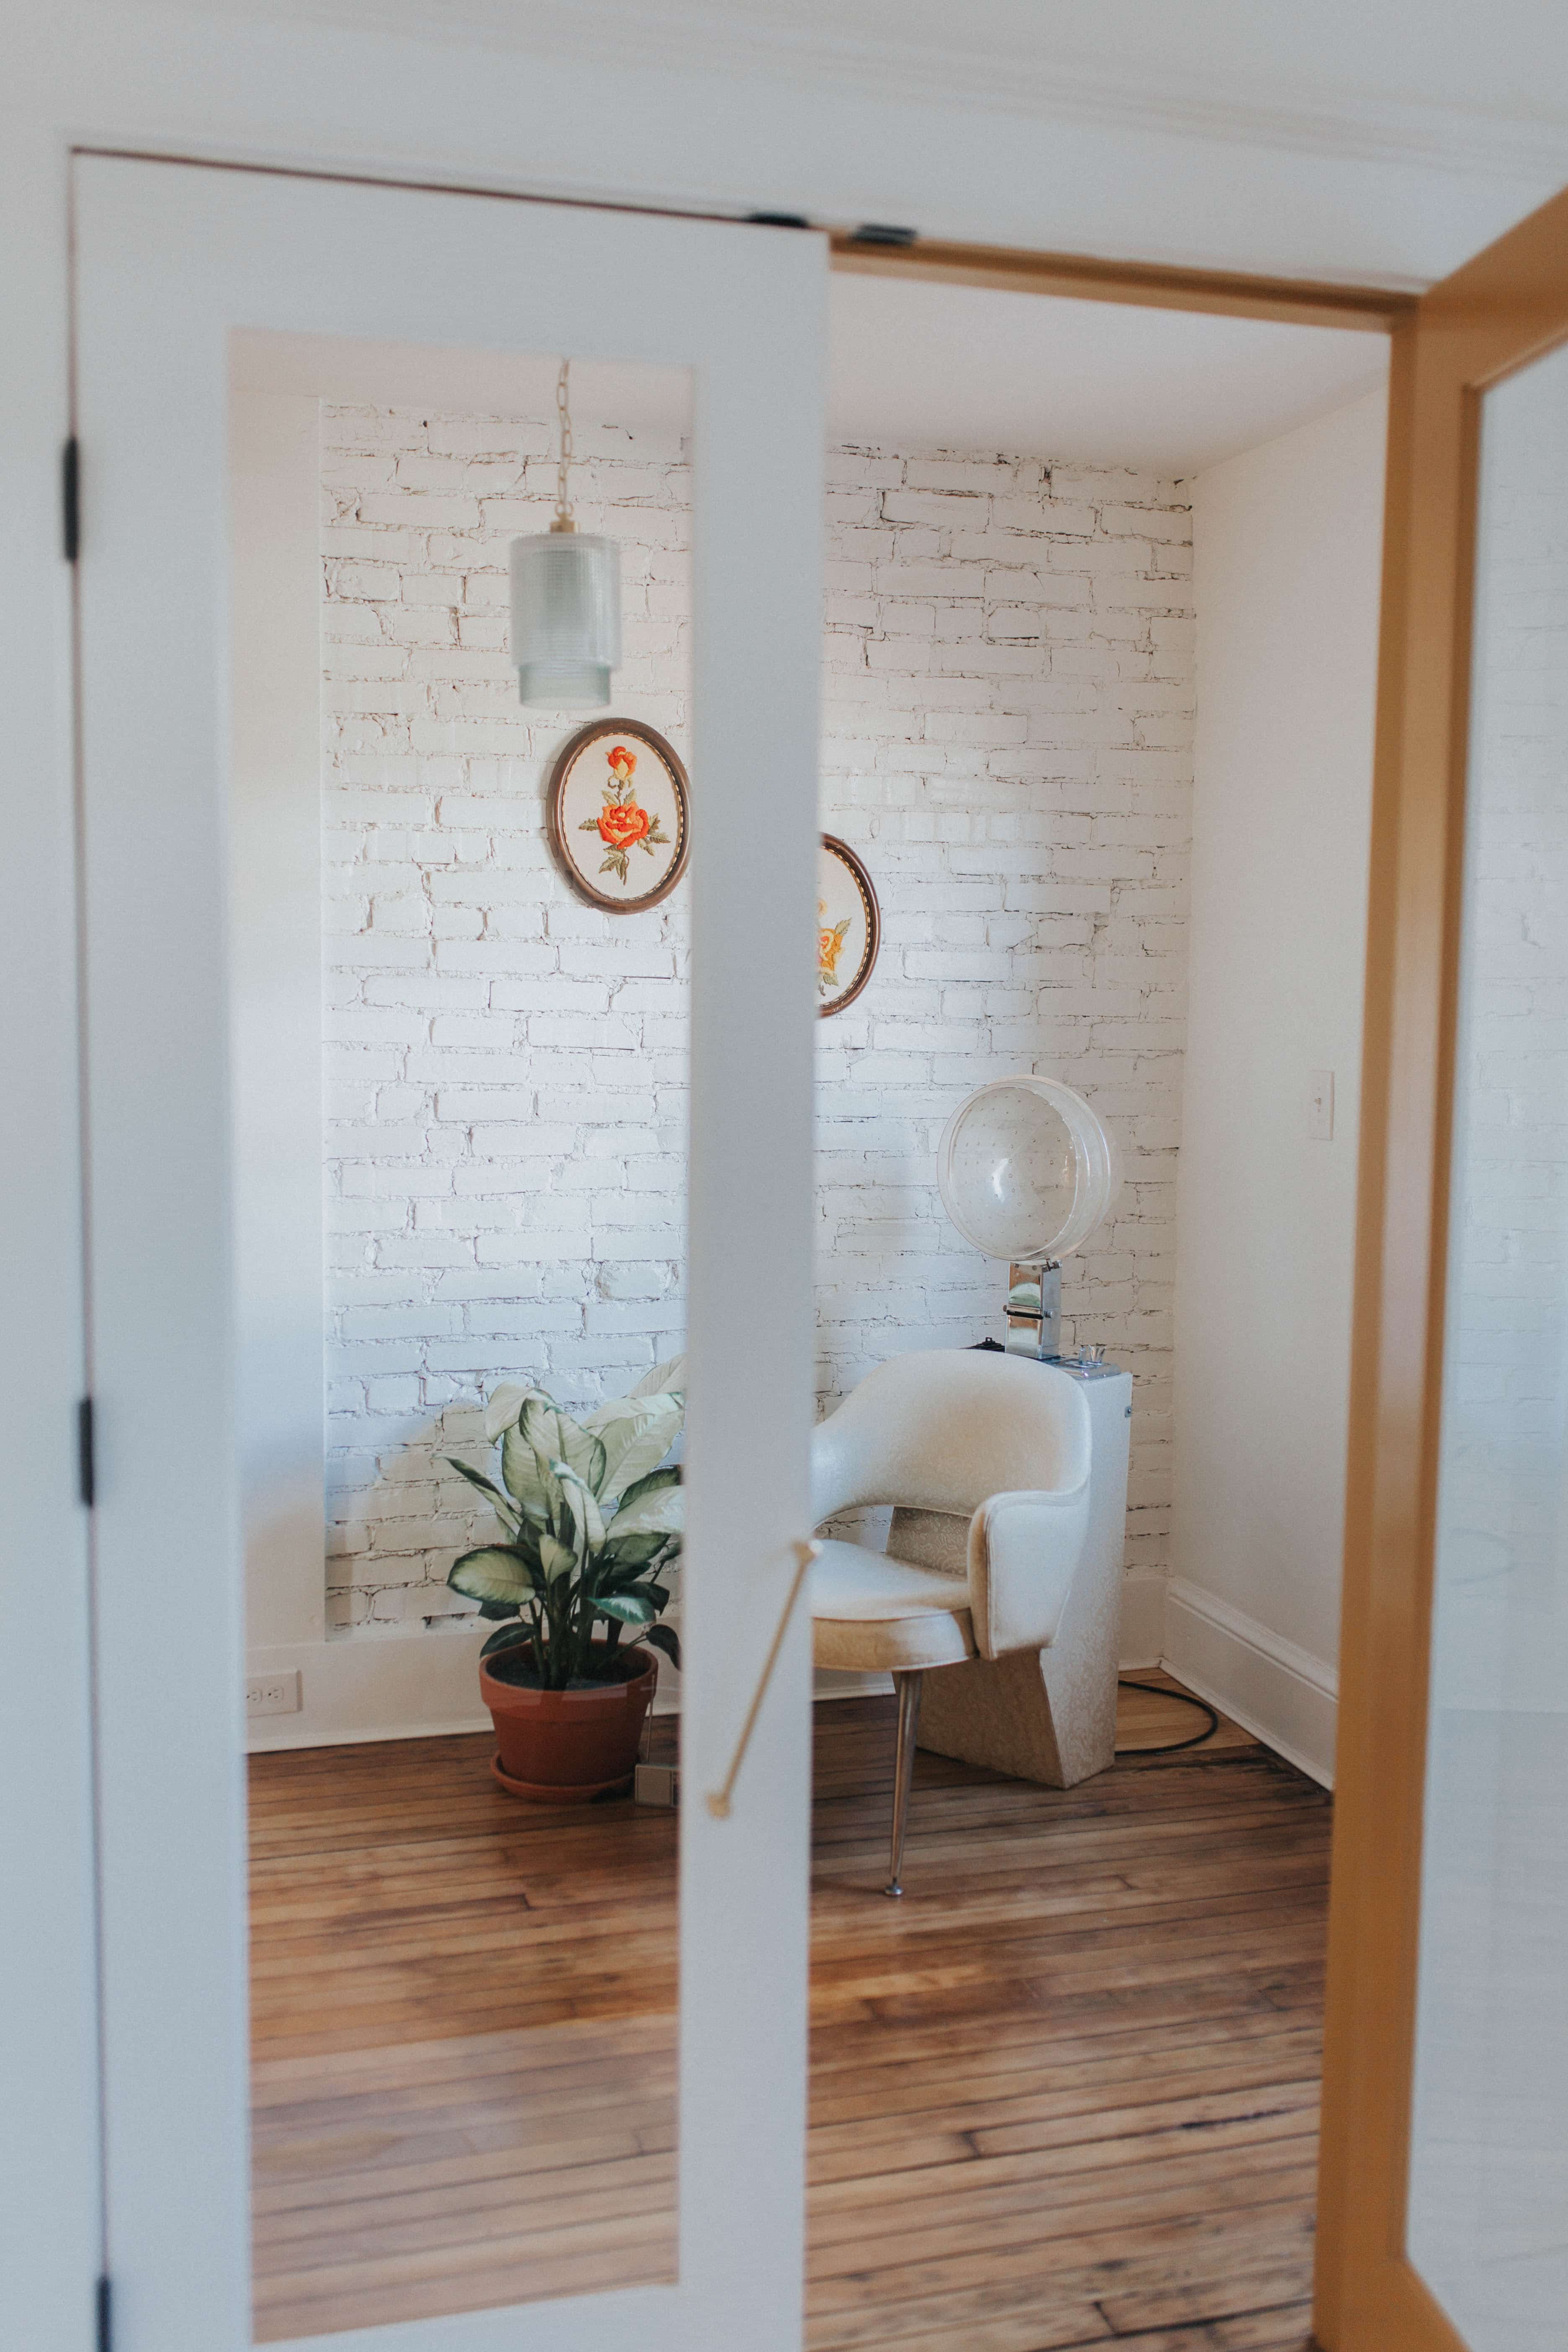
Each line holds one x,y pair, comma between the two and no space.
1288,541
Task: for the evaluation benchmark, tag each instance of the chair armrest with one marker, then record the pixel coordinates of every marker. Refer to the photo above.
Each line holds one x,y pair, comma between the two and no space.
1024,1552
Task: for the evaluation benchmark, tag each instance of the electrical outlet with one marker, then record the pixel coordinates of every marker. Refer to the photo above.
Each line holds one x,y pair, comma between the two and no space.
1321,1106
273,1693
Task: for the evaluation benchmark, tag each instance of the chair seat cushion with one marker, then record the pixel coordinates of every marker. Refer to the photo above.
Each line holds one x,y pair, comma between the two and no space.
871,1613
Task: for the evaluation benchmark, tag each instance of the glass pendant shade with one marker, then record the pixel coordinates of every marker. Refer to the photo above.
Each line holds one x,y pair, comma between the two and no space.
565,618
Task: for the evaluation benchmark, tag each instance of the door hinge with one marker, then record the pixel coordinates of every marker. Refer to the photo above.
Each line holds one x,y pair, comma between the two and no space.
86,1468
105,2310
883,233
70,498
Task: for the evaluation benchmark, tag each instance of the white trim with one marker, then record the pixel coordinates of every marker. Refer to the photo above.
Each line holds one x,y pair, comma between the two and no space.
1265,109
363,1686
1271,1686
424,1685
50,2216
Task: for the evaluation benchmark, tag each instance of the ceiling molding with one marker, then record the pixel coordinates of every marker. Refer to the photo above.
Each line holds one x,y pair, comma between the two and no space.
1320,119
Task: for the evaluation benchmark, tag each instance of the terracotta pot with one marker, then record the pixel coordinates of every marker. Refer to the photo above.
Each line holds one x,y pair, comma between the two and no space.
564,1746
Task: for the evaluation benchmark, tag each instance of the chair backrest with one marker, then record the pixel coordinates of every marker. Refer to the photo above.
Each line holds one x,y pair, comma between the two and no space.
943,1429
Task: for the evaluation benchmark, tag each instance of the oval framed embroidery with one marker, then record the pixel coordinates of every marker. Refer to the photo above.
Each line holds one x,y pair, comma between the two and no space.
620,819
849,926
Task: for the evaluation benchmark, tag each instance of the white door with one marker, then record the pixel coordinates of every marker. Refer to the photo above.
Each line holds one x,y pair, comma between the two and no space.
171,261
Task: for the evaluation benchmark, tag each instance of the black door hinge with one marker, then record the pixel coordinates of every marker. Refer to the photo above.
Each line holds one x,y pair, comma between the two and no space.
85,1468
883,233
70,498
105,2317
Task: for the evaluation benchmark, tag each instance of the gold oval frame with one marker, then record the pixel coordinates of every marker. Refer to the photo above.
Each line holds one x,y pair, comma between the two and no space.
868,890
671,761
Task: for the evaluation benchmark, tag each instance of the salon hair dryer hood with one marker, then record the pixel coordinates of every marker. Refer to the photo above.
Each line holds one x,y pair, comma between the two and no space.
1026,1169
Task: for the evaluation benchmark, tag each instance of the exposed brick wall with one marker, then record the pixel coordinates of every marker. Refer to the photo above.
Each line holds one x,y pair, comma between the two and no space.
1007,740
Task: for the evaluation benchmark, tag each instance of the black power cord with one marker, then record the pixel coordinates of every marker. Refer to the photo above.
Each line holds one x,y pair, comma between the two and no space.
1183,1698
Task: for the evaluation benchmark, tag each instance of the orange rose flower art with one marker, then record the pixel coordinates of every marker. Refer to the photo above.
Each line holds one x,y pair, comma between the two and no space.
623,824
830,938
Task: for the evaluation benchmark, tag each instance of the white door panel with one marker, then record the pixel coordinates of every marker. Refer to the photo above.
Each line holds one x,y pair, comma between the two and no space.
169,259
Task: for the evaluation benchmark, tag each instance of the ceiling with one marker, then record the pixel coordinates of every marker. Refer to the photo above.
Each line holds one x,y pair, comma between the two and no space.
1445,81
1170,392
918,366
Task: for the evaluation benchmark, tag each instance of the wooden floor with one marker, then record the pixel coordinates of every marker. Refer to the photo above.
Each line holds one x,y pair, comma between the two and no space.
1064,2095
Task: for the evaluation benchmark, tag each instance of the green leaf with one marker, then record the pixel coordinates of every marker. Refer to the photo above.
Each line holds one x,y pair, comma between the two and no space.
554,1437
627,1557
655,1595
505,1511
506,1403
509,1637
527,1475
629,1607
556,1558
586,1505
636,1433
665,1638
654,1506
493,1572
666,1379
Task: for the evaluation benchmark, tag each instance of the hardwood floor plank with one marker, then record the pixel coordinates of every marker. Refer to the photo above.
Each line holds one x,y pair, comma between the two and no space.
1063,2095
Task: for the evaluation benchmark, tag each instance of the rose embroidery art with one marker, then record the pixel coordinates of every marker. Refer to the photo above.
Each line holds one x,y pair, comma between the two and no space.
830,938
623,824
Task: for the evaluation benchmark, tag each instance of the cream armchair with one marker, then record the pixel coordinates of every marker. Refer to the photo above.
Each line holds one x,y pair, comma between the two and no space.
1001,1579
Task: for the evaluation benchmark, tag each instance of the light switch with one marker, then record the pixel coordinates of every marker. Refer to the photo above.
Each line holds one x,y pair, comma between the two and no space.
1321,1106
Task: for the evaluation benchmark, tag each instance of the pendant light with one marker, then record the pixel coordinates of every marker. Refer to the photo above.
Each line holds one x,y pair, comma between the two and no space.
565,600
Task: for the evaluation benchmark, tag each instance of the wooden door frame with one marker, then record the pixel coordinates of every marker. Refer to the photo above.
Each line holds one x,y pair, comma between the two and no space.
1493,316
1233,294
1504,309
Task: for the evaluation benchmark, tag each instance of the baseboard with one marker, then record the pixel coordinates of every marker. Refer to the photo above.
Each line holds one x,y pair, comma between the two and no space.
385,1687
401,1686
1272,1687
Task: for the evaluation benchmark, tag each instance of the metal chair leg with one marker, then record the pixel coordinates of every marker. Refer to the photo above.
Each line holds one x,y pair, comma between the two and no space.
909,1690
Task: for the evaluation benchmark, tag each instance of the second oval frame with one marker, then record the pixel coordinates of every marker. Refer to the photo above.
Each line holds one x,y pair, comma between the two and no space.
867,890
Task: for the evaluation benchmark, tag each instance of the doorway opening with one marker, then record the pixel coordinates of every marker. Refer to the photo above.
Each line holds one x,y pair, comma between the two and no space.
1099,657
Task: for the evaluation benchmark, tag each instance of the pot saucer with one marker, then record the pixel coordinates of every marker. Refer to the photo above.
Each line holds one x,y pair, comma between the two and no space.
544,1792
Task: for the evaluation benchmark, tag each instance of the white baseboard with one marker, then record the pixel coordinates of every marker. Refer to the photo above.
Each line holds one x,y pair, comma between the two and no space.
401,1686
1272,1687
835,1682
385,1687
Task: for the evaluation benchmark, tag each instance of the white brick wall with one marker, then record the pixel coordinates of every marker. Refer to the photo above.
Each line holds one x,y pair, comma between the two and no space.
1007,740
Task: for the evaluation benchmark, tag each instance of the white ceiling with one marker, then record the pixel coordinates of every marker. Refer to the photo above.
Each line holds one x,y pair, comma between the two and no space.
964,367
1452,82
919,366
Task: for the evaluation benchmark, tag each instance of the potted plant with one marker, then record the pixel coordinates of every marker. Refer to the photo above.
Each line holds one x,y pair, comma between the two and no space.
592,1514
